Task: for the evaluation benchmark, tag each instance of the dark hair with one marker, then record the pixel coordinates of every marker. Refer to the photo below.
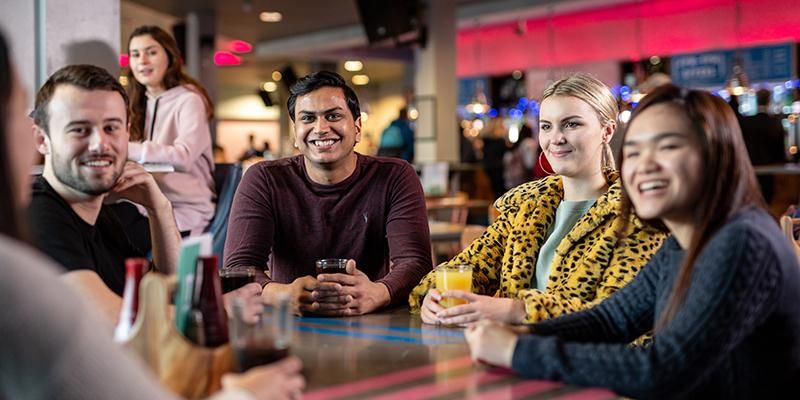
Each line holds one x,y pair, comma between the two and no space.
763,97
10,223
84,76
317,80
174,76
728,180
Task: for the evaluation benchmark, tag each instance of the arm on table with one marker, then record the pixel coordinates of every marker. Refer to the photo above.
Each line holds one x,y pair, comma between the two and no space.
89,285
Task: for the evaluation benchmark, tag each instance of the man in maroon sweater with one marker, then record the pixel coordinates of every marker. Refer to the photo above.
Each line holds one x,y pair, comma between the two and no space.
331,202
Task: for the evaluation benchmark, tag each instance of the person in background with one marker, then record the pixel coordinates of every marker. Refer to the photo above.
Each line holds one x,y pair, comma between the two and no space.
219,154
556,247
764,137
52,347
169,124
267,153
331,202
251,151
519,159
493,150
397,140
721,294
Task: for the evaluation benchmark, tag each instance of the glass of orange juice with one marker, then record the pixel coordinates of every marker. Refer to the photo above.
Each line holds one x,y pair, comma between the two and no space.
453,277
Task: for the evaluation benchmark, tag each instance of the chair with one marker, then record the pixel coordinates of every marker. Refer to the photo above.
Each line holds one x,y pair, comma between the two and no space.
787,223
226,180
452,209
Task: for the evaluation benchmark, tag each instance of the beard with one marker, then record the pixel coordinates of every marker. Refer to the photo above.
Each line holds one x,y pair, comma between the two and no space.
68,173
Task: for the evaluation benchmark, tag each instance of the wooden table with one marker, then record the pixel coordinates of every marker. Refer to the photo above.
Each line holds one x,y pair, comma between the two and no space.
392,355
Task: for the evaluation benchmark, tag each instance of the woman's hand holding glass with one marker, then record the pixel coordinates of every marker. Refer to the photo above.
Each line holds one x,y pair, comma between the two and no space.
477,307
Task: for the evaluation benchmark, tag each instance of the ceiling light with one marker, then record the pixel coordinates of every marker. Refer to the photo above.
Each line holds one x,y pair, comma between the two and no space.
360,80
269,86
364,116
353,65
276,76
267,16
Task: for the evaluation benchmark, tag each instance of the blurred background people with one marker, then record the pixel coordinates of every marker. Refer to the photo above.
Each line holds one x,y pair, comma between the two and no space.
764,137
397,140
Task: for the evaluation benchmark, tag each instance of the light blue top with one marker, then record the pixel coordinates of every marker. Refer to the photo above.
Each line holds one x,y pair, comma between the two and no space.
567,214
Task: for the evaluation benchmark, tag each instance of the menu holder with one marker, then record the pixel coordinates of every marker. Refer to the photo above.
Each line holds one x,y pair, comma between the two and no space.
185,368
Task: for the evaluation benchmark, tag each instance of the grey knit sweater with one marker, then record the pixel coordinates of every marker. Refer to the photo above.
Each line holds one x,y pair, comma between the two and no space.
737,334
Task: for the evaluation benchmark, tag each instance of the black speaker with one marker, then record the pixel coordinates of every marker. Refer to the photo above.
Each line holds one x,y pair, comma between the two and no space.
265,97
384,20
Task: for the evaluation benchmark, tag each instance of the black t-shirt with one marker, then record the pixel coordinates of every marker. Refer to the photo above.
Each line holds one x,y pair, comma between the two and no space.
61,234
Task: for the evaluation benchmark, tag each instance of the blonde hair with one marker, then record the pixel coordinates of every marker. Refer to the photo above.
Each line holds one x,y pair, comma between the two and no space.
594,93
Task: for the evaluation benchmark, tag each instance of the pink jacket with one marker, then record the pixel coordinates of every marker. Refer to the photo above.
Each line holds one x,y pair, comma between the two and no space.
180,136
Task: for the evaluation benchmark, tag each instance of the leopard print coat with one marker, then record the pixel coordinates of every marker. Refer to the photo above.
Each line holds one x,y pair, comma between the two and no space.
589,264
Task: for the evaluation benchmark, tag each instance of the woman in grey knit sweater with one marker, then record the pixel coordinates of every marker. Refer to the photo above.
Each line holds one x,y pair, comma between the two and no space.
54,346
721,294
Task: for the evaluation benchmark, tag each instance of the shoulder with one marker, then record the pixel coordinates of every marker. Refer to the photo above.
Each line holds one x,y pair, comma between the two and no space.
527,192
284,169
46,202
752,226
386,166
186,97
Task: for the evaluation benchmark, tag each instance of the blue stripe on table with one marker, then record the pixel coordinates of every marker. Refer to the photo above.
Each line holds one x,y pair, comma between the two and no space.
374,336
400,329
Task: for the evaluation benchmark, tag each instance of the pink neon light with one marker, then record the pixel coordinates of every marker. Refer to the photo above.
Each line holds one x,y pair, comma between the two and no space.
240,46
124,61
665,27
226,59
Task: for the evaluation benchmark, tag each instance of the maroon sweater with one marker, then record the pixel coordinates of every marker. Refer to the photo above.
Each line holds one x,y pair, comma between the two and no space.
283,221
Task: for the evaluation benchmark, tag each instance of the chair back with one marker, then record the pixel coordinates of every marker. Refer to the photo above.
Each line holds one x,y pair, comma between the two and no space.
226,180
452,209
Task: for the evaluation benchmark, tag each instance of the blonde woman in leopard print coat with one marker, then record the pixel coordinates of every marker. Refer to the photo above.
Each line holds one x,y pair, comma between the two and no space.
573,218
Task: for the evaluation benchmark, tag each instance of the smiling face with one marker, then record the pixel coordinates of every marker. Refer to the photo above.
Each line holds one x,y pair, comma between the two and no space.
662,164
572,136
86,143
325,131
148,62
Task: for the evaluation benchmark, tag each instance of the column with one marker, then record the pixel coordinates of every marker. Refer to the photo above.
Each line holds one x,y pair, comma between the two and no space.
435,86
46,35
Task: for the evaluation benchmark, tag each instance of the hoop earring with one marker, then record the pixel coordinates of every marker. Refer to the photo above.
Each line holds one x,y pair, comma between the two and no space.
541,165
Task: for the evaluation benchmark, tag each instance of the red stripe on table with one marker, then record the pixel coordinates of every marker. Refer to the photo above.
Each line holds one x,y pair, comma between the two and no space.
443,387
518,390
380,381
589,394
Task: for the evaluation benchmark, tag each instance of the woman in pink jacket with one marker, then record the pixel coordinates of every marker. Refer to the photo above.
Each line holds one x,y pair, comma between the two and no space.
169,124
